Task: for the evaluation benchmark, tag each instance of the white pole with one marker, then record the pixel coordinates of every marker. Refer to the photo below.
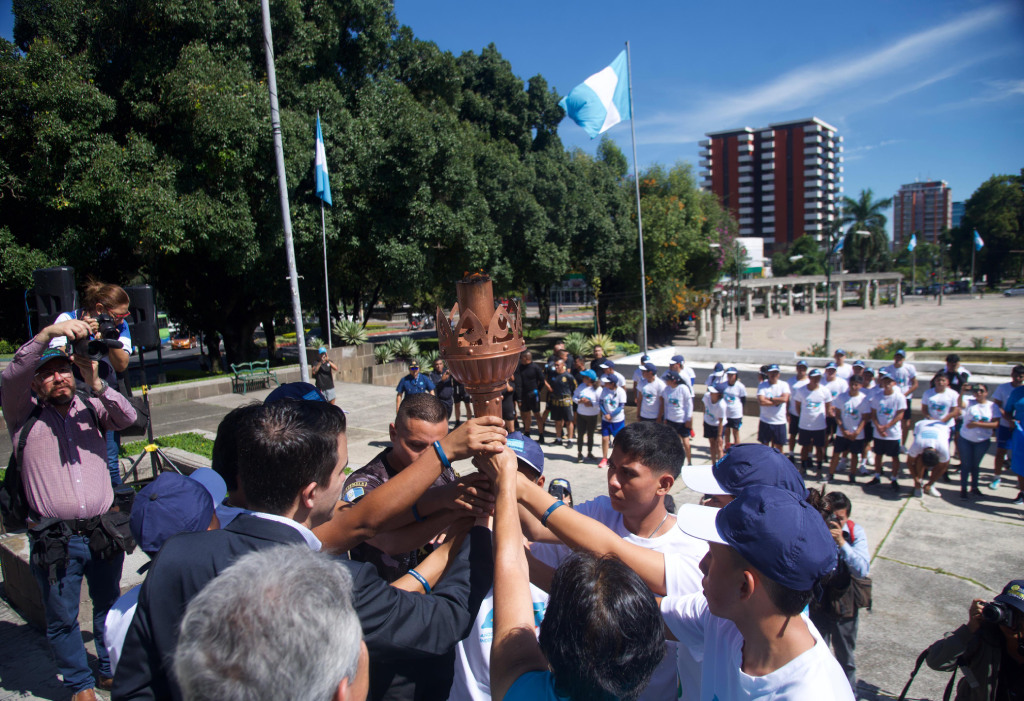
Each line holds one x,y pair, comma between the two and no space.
974,248
636,182
327,294
282,186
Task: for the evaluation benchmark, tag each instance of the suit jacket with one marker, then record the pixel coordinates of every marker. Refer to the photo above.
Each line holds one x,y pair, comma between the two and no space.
396,624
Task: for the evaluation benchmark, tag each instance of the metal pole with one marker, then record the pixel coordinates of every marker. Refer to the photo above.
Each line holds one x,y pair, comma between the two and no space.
327,294
282,186
828,299
636,182
913,274
970,288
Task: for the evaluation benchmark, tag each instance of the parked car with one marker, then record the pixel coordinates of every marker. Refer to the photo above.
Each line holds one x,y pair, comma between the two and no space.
1017,291
183,340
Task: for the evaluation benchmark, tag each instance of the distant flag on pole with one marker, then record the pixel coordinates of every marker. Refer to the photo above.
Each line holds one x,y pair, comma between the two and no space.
839,245
913,242
602,100
323,183
978,243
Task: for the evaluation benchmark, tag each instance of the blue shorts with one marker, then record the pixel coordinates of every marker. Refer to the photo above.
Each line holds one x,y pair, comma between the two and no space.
609,428
1003,436
771,433
734,423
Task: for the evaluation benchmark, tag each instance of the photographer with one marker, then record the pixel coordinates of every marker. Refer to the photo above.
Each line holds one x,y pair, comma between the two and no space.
67,490
989,649
105,309
835,614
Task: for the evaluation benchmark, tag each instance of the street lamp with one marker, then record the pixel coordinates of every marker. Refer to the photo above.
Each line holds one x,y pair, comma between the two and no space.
834,247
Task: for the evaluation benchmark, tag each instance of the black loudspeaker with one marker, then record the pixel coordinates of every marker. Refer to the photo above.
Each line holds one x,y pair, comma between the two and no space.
143,324
55,293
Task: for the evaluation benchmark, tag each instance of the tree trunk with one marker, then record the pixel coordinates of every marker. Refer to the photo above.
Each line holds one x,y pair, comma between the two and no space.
271,336
212,340
602,315
543,304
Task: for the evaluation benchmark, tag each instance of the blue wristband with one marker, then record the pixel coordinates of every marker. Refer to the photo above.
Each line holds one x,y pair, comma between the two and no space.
441,456
416,514
544,518
421,579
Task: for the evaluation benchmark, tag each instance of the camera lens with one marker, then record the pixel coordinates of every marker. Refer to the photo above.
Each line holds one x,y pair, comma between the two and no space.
995,612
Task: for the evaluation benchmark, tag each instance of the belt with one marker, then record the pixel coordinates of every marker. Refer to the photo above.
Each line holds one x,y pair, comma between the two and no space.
82,526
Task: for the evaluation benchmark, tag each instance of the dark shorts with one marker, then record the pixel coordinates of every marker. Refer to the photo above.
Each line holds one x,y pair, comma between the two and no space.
869,432
610,429
560,413
734,423
771,433
794,426
711,431
1003,436
508,408
531,402
830,425
889,448
815,438
910,407
644,418
680,428
846,445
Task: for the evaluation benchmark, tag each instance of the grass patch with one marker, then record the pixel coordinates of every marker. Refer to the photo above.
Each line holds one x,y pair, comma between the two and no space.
191,442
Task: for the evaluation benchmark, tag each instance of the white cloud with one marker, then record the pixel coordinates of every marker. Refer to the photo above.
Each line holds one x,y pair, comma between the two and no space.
858,152
807,84
995,91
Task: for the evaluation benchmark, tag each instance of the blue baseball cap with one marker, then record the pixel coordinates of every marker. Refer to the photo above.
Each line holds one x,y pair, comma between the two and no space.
868,370
51,354
527,451
801,363
781,535
732,371
650,367
883,374
589,374
678,359
839,351
743,466
1013,595
714,388
323,351
608,364
673,375
773,368
612,378
295,391
859,364
831,366
814,373
644,358
173,504
900,353
719,367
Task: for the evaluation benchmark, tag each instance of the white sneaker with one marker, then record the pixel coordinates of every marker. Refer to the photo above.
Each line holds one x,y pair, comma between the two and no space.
934,492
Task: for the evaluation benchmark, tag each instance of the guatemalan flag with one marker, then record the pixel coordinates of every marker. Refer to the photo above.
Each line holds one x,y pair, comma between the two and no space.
978,243
913,242
602,100
323,183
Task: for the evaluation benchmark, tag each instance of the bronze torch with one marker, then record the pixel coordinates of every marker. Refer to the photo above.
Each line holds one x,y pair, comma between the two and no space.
481,342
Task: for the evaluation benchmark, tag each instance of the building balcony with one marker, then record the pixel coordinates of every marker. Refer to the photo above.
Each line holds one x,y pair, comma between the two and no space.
746,190
704,153
839,169
746,179
746,211
744,147
768,165
840,178
746,231
767,229
705,174
813,216
814,161
815,226
813,139
813,204
746,200
813,151
767,155
813,173
704,163
746,221
745,158
770,219
767,209
746,168
813,184
704,142
768,187
767,135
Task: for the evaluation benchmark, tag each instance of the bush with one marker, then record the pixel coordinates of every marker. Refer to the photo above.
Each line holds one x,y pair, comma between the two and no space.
886,349
314,343
817,350
605,341
351,333
426,359
383,353
953,342
7,347
920,342
578,345
405,347
978,342
629,348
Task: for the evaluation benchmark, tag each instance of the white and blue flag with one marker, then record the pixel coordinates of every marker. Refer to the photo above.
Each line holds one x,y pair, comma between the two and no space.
978,243
602,100
913,242
323,182
839,245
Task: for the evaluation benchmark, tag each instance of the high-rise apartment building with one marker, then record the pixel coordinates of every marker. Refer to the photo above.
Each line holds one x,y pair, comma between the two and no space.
781,181
958,213
925,209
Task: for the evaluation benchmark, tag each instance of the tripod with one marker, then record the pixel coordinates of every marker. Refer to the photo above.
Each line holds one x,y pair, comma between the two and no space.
151,448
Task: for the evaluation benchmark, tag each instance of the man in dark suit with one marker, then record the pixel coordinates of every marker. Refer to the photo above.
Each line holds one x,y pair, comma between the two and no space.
292,456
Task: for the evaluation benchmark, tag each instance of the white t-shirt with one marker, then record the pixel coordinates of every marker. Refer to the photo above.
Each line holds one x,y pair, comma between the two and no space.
814,674
773,414
119,618
844,371
688,375
733,396
649,397
929,433
904,376
678,403
837,386
973,411
813,405
472,681
794,385
999,396
938,404
683,554
613,402
852,410
885,408
713,411
638,376
622,378
715,378
593,394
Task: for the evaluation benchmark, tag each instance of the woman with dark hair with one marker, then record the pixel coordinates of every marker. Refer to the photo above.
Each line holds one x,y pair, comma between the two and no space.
602,635
105,300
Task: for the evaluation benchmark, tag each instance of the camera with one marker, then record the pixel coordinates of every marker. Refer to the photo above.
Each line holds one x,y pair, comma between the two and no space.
999,613
560,489
96,348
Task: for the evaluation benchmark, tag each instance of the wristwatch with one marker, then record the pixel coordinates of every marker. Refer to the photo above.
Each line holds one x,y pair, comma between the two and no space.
103,388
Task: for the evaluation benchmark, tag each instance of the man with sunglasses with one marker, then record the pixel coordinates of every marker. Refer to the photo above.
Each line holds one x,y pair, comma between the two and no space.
65,481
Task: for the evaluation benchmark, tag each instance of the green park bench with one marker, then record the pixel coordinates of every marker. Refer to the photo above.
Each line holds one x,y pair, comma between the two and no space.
254,375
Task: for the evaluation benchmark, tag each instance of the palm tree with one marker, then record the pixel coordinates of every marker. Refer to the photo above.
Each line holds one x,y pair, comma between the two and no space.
865,214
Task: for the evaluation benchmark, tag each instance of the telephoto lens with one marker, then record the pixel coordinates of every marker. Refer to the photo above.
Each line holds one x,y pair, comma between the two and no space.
999,613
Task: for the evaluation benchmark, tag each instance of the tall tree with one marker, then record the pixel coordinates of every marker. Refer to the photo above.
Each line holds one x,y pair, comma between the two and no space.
866,214
996,211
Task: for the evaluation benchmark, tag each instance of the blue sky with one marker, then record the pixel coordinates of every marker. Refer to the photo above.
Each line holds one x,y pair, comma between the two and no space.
919,89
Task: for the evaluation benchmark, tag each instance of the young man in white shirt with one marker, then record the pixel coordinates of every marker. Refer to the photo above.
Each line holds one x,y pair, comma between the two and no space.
638,373
836,386
852,411
612,402
773,399
587,398
648,394
905,376
678,365
888,408
768,550
734,395
677,398
1005,430
796,382
716,376
940,403
714,420
812,405
929,450
869,388
843,370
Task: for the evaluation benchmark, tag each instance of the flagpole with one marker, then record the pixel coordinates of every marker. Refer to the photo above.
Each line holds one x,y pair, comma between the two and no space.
282,186
974,248
327,294
636,182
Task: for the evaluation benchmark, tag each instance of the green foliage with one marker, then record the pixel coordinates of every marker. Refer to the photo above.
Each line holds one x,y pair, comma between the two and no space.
351,333
953,343
978,342
190,442
605,341
315,343
405,347
629,348
7,347
996,211
862,253
886,349
920,342
817,350
578,344
383,353
810,259
426,359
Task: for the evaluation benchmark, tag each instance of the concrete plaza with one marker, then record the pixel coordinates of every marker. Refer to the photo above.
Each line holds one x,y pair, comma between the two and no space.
930,556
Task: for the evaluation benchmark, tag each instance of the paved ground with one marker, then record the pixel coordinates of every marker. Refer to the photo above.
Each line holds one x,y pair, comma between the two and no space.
930,556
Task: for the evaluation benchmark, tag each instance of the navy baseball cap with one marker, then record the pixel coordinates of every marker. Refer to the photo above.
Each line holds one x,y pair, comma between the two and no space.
839,351
801,363
612,379
608,364
51,354
743,466
673,375
859,379
831,366
650,367
173,504
295,391
732,371
644,358
719,367
680,359
1013,595
781,535
901,353
814,373
714,388
773,368
527,451
859,364
883,374
868,370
